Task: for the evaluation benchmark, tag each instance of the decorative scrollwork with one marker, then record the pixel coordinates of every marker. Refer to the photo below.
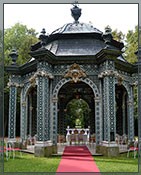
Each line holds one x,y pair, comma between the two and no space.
111,73
75,72
32,80
107,73
9,84
42,73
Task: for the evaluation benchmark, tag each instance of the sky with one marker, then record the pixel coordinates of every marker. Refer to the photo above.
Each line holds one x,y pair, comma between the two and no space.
123,17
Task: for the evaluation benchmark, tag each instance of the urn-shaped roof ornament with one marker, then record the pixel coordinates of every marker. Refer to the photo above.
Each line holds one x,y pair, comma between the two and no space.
107,36
76,12
14,56
43,37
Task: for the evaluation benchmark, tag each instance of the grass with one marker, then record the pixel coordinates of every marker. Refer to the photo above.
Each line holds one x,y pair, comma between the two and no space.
117,164
29,163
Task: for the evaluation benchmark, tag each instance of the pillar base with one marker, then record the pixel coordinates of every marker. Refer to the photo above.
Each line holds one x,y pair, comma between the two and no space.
109,149
44,149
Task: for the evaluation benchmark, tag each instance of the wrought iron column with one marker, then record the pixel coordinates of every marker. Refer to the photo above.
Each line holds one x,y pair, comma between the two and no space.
54,121
98,123
42,108
43,100
109,119
109,109
49,107
101,111
30,114
106,110
23,120
131,115
124,114
46,109
12,112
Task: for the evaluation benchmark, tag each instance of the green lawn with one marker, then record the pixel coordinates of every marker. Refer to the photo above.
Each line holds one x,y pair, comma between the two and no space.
29,163
117,164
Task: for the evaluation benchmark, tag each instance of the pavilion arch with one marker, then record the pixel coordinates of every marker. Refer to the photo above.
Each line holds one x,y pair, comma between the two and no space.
126,86
24,106
85,80
125,115
25,90
98,117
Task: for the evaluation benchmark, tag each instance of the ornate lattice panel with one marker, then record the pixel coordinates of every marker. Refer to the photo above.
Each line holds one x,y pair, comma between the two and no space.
12,112
109,120
42,109
97,107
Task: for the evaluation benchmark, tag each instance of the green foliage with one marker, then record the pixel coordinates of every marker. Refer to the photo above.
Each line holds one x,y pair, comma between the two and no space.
1,58
0,46
0,43
1,64
21,38
118,35
140,36
77,111
132,45
130,41
1,85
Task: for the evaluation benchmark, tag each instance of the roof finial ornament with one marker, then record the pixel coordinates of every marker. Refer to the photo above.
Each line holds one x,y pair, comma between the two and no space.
76,11
14,56
107,36
43,37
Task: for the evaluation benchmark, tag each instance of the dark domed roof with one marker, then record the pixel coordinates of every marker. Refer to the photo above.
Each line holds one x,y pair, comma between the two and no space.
76,39
75,46
77,27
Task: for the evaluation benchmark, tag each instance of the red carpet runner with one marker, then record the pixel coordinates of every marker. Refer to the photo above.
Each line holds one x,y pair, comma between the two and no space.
77,159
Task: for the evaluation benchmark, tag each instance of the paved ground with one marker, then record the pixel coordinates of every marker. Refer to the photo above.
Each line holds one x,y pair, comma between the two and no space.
91,147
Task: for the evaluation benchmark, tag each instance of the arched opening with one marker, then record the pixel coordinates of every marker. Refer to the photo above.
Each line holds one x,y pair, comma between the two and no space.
32,111
76,107
77,113
121,110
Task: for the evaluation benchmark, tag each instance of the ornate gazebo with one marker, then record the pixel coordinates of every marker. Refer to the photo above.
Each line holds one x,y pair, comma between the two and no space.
74,60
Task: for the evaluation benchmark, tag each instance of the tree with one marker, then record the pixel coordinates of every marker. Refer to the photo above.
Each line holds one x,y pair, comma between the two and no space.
130,41
20,38
78,112
1,62
0,41
1,86
131,45
140,36
118,35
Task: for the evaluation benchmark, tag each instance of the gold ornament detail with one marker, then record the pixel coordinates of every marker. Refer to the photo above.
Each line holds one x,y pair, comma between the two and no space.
112,73
75,72
32,81
42,73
